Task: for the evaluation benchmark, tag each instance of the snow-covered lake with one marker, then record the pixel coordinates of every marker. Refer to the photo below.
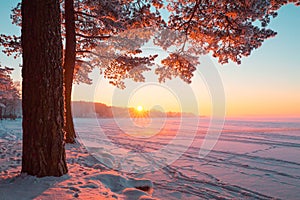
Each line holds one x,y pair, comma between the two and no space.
252,159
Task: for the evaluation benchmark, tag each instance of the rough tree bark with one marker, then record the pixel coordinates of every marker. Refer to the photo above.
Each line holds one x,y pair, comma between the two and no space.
42,94
69,64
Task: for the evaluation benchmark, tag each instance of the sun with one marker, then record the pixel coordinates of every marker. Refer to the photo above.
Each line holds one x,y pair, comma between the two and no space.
140,108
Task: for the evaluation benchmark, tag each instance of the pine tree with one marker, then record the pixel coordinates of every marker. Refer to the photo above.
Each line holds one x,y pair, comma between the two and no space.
42,89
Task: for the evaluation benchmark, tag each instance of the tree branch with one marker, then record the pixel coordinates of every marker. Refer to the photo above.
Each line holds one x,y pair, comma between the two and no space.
85,14
85,62
93,36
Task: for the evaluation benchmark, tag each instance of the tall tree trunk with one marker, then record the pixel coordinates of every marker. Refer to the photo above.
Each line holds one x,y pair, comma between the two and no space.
69,64
42,94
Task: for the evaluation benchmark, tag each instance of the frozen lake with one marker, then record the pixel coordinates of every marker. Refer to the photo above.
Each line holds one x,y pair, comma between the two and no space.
250,160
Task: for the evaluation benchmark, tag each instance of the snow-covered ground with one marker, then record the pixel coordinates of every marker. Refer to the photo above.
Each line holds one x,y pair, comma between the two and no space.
117,158
87,178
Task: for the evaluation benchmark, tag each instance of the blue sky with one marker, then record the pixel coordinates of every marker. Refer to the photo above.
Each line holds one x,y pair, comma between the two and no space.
266,83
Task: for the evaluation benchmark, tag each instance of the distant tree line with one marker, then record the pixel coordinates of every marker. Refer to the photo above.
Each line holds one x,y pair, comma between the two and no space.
10,102
82,109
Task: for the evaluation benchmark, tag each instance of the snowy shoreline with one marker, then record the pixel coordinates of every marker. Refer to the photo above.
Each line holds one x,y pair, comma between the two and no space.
86,179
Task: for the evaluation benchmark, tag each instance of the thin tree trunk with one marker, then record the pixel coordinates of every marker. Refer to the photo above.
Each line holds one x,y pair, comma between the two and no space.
69,64
42,93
